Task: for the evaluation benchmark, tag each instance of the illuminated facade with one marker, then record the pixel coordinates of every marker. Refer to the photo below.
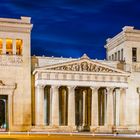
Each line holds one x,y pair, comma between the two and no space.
68,94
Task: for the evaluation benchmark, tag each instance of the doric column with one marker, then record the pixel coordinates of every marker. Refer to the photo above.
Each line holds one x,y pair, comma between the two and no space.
110,116
117,107
55,106
71,106
105,107
39,105
3,46
122,106
84,107
94,106
14,46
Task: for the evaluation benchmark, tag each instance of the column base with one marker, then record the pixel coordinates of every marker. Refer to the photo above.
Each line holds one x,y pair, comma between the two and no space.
94,128
126,130
101,129
53,128
112,129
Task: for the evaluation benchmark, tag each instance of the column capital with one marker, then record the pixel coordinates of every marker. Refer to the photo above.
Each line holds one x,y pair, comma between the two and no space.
54,86
94,88
40,86
123,89
71,87
109,89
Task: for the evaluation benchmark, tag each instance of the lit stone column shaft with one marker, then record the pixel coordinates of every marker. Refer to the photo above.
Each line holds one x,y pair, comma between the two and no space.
55,106
122,106
117,107
84,107
4,46
71,106
14,46
39,105
105,107
110,116
94,107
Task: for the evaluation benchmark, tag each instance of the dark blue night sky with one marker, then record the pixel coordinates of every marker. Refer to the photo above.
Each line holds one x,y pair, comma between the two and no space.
70,28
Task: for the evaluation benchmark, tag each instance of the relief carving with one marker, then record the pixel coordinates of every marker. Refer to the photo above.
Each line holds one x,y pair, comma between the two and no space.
10,60
83,66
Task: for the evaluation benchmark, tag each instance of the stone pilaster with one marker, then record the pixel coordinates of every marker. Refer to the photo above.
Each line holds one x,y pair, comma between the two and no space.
39,105
71,106
110,113
55,106
14,46
94,107
4,46
122,106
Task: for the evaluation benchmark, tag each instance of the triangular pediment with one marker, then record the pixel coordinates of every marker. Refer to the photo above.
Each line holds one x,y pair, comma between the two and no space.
84,64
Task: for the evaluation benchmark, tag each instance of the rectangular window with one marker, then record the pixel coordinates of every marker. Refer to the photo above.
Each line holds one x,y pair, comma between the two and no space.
18,46
115,56
118,55
112,56
1,44
122,54
134,54
9,46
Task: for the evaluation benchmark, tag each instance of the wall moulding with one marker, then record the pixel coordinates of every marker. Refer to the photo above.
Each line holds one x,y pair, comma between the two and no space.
13,60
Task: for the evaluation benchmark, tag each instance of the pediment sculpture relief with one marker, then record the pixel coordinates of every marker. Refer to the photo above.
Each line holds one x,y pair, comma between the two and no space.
83,66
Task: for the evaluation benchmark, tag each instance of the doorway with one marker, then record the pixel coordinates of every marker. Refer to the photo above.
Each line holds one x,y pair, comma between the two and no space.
3,112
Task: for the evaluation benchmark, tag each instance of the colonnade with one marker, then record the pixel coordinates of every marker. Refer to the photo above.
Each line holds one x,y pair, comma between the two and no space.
113,106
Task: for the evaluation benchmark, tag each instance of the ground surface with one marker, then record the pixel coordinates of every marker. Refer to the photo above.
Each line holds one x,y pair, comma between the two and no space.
64,137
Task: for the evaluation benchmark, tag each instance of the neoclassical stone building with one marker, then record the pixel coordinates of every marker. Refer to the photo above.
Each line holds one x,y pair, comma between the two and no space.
68,94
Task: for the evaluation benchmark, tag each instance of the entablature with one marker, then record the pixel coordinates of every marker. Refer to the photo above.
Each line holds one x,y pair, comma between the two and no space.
81,76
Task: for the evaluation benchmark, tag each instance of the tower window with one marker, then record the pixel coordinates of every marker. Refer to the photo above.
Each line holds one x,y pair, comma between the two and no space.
115,56
112,56
122,54
118,55
9,46
134,54
18,46
1,44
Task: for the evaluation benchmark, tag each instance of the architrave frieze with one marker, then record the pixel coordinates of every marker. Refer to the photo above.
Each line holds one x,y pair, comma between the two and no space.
60,76
80,83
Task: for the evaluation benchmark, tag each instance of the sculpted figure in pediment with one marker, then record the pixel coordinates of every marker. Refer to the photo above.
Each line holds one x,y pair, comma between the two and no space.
83,66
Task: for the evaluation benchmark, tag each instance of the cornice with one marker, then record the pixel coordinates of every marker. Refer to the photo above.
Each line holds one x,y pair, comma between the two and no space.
122,37
16,25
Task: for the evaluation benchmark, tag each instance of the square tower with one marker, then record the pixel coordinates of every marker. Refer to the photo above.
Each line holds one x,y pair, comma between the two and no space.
15,68
125,46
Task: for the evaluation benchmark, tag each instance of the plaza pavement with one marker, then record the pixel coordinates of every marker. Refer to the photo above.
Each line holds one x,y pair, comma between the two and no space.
65,136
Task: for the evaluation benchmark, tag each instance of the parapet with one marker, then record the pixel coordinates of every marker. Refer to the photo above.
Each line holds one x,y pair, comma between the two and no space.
16,25
24,20
127,28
